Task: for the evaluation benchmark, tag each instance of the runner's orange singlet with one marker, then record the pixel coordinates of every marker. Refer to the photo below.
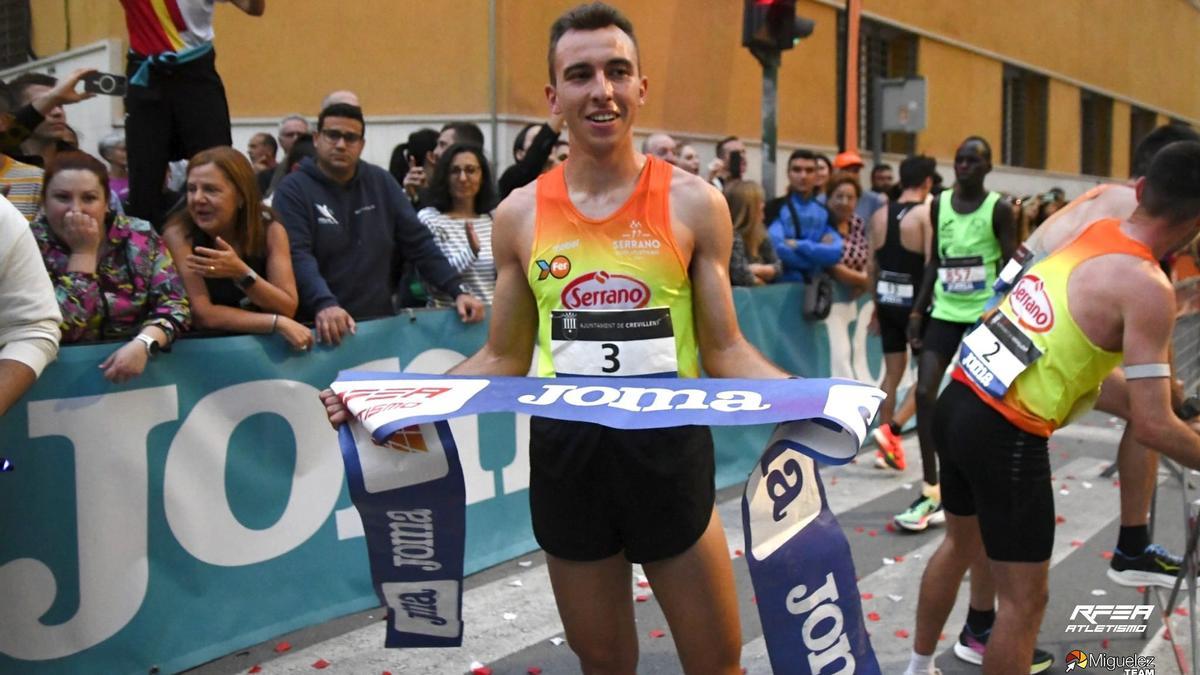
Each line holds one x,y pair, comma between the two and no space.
613,295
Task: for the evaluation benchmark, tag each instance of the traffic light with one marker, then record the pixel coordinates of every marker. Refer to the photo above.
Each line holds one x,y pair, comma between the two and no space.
773,25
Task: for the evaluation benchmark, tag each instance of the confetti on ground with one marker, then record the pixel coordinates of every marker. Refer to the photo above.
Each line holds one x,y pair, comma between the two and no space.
320,664
872,533
557,641
889,561
282,647
1075,543
509,616
941,637
255,669
737,553
1181,611
1141,589
902,634
1116,483
873,616
641,598
890,527
1060,519
1107,555
860,529
525,563
1099,591
1104,643
516,583
641,579
478,668
533,670
5,464
895,598
907,486
1064,492
643,584
899,558
867,596
657,633
1086,485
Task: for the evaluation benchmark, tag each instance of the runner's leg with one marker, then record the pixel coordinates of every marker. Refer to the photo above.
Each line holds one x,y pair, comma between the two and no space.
596,607
942,577
1023,592
696,592
893,371
930,370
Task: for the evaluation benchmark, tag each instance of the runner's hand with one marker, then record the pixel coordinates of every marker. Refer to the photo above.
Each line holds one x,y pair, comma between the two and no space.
334,410
916,323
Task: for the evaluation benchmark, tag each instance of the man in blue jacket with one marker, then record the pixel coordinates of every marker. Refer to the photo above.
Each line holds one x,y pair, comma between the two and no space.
800,226
350,226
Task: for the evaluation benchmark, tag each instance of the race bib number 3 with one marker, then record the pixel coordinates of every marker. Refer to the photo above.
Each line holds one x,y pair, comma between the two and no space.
895,289
613,342
962,275
995,353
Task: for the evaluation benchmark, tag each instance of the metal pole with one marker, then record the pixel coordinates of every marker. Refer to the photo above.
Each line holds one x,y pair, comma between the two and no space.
877,116
770,66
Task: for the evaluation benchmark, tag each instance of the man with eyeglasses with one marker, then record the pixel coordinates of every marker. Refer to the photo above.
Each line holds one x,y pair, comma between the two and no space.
351,226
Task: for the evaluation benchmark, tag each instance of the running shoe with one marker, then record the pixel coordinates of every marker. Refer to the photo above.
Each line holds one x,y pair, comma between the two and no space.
970,648
1154,567
890,447
923,512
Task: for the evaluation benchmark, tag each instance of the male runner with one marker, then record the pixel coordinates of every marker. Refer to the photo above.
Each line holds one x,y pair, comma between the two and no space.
1035,364
974,233
1135,562
612,219
900,239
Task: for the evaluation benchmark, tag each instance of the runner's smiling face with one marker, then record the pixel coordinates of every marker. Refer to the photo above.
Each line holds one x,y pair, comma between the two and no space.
597,87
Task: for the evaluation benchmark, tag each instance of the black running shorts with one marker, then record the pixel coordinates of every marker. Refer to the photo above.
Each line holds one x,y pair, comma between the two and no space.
893,328
595,491
943,337
993,470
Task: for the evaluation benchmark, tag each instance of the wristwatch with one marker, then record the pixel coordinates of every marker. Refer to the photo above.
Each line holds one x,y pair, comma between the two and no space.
246,281
152,346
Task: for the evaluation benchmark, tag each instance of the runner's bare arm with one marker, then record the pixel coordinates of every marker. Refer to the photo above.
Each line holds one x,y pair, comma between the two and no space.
724,351
513,330
1061,228
1147,308
879,229
1005,227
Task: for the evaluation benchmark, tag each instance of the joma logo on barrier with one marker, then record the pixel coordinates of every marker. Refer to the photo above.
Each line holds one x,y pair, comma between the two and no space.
610,291
645,399
823,630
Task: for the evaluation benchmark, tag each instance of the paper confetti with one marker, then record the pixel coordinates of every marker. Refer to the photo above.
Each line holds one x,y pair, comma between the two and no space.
1086,485
282,647
643,584
641,598
533,670
509,616
483,670
255,669
737,553
1104,643
320,664
525,563
1099,591
1075,543
5,464
873,616
902,633
1060,519
1107,555
1181,611
1064,492
895,598
556,641
890,527
907,486
889,561
657,633
872,533
860,529
868,596
898,558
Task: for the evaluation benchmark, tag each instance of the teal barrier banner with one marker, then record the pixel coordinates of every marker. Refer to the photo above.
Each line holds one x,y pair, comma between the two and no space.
202,507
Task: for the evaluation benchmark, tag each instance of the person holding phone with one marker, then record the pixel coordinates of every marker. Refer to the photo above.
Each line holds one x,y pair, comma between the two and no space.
175,106
727,166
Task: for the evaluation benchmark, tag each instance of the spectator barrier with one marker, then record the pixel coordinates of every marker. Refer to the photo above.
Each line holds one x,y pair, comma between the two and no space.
202,507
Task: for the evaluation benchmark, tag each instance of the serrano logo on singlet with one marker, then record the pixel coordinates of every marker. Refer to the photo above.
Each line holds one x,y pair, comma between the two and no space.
609,291
1031,304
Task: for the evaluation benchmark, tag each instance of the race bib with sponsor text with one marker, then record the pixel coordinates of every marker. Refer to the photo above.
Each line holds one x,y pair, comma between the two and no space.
613,342
962,275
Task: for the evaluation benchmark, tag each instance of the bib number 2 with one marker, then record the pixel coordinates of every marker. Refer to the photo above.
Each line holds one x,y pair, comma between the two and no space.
995,353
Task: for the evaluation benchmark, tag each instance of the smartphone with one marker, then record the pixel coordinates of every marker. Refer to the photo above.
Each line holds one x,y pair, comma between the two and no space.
105,83
735,164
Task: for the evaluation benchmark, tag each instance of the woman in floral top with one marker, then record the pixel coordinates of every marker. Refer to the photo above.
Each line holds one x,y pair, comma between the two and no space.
843,193
112,274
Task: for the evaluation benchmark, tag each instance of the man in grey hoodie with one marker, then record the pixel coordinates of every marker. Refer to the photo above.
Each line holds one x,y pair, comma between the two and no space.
351,226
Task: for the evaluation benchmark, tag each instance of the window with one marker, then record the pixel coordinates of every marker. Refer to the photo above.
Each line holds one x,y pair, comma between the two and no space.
1141,122
884,52
15,32
1095,133
1023,137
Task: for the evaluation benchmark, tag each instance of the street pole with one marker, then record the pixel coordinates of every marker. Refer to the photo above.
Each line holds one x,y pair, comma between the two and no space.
770,87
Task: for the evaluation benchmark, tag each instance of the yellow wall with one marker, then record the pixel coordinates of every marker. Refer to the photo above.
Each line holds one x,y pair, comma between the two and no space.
964,97
1144,49
1120,139
1062,128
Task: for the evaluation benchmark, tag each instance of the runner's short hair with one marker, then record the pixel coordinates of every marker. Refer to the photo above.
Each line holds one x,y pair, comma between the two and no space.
593,16
915,169
1172,188
1156,140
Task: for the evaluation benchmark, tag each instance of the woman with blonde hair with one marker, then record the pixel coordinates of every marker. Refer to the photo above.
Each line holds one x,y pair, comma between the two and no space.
232,252
753,261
